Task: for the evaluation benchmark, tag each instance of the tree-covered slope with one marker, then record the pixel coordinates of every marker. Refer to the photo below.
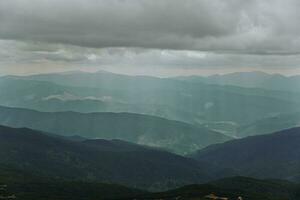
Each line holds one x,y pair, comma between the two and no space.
113,161
274,155
177,136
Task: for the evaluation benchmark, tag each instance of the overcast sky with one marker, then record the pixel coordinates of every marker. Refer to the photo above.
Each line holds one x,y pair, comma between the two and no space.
152,37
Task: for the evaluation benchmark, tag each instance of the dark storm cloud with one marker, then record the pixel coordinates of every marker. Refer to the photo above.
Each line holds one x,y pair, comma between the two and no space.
237,26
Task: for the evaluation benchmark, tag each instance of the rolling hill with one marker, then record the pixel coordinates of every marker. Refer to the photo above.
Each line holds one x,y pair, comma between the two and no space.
232,188
266,156
248,188
114,161
30,187
41,188
176,136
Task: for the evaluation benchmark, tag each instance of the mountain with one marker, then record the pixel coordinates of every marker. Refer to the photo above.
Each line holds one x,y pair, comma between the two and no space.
266,156
45,96
243,79
270,124
232,188
114,161
250,79
196,103
50,189
102,79
15,183
176,136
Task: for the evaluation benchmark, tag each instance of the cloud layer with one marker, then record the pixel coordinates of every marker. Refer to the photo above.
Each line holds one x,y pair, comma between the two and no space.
163,38
237,26
34,57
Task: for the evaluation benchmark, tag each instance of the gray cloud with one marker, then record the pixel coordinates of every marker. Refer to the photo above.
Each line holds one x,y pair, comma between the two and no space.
231,26
163,38
34,57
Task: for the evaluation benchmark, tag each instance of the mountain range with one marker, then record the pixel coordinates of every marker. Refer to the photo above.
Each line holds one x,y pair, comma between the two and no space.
93,134
169,98
254,79
275,156
110,161
176,136
37,165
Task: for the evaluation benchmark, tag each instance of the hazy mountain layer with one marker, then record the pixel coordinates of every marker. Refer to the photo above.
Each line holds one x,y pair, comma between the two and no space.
270,124
250,79
173,99
154,131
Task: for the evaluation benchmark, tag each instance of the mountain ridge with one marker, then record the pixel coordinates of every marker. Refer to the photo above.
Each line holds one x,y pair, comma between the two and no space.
143,129
118,162
264,156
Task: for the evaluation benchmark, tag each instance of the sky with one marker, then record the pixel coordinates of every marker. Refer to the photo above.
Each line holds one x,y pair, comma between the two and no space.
149,37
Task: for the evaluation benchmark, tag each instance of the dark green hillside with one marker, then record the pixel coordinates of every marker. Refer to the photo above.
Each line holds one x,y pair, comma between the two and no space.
177,136
232,188
113,161
27,186
266,156
50,189
66,190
